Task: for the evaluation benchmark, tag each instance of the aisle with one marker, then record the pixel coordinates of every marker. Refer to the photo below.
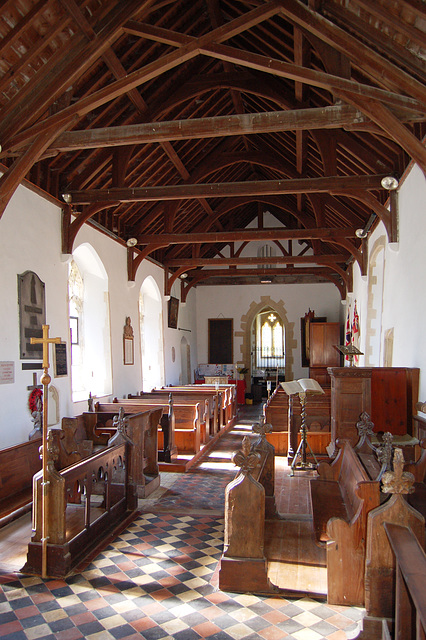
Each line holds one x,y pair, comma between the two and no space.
159,579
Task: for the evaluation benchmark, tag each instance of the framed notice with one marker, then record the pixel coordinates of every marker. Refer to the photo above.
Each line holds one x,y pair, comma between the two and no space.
7,372
60,364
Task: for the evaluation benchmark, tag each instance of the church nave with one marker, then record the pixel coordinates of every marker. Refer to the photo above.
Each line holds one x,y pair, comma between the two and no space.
158,579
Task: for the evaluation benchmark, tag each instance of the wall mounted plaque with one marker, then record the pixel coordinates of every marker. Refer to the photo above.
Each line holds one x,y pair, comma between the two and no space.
32,314
60,360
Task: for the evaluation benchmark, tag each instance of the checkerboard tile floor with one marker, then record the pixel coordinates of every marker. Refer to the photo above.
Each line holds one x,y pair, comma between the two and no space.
158,580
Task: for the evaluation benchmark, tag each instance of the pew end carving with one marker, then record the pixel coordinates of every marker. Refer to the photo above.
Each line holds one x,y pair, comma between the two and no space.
249,501
380,565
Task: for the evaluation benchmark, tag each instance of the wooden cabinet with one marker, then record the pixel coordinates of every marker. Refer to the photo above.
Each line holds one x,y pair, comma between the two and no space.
323,337
387,394
350,396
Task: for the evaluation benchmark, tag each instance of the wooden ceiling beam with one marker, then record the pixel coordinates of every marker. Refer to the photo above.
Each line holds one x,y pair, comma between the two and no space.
211,127
394,128
275,260
391,49
11,179
231,189
267,233
321,272
298,73
148,72
379,11
242,81
383,71
334,84
60,73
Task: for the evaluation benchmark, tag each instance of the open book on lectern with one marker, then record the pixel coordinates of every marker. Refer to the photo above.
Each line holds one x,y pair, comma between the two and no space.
304,385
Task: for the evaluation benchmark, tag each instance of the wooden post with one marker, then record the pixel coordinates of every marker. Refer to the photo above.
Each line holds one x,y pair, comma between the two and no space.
45,380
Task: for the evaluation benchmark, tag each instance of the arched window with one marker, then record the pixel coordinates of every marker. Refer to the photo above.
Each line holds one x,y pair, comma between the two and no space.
151,329
89,325
270,340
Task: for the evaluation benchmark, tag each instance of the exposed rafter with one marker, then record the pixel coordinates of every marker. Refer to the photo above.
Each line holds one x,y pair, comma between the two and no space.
199,128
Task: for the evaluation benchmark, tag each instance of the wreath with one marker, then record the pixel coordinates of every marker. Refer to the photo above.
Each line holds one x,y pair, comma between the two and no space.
33,399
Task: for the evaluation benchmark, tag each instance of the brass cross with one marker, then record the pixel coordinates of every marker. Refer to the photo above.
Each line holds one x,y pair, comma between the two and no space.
45,340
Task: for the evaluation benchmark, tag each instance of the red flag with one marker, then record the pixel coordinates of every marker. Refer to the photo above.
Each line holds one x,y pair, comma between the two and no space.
355,330
348,337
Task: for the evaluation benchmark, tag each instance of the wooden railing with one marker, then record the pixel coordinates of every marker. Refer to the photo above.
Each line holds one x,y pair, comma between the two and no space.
84,503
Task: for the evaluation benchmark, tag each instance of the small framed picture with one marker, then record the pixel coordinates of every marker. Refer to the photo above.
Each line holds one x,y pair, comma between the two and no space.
173,313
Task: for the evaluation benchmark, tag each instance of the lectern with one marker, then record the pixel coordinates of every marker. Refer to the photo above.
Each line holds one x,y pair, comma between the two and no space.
303,388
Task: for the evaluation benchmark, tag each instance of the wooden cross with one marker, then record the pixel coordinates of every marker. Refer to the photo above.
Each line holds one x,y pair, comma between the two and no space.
45,340
34,384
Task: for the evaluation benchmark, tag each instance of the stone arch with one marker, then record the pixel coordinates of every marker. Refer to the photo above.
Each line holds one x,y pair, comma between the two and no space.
247,327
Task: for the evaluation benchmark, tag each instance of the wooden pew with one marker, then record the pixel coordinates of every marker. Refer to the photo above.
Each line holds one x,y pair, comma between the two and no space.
18,464
376,460
229,399
417,499
101,426
380,566
86,502
410,588
187,422
341,498
154,398
225,396
249,500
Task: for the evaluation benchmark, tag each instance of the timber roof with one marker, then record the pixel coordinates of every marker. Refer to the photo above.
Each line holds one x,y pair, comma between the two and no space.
179,123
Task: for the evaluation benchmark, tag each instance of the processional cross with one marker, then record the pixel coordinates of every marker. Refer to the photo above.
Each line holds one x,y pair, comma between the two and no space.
45,380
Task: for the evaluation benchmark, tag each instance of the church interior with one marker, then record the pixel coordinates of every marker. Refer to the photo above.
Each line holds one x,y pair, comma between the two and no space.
212,250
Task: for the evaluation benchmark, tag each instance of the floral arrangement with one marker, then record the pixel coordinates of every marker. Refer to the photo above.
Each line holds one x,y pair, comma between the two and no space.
35,399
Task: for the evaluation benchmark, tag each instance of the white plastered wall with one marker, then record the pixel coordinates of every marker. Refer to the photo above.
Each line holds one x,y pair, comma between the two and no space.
235,302
403,302
30,239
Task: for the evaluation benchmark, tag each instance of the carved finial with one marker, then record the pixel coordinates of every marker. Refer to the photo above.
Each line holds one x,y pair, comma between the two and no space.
120,423
52,453
262,428
365,426
398,481
384,451
246,459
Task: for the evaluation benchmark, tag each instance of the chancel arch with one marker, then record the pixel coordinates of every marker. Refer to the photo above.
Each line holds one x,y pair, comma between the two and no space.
151,331
89,318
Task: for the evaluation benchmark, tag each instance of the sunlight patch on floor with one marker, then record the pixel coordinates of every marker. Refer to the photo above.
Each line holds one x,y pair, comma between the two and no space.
225,466
240,426
220,455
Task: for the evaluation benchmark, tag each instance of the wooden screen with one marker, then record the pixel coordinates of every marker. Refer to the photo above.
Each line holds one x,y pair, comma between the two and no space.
221,340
